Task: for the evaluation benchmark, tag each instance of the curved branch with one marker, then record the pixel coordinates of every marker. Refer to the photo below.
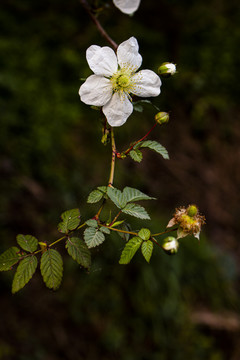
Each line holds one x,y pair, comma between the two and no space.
87,7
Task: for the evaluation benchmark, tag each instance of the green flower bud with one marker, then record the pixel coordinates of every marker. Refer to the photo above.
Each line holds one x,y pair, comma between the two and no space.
192,210
162,117
167,69
170,245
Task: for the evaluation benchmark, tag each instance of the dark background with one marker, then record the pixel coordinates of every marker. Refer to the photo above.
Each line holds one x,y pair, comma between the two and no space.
180,307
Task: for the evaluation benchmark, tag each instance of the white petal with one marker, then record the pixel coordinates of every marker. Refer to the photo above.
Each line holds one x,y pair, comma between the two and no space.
147,83
127,6
96,90
128,55
102,60
118,109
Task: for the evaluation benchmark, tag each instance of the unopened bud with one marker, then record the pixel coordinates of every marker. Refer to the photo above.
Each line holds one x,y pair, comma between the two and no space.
167,69
170,245
192,210
162,117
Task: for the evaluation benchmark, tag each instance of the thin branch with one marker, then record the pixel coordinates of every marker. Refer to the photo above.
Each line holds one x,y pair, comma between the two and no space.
87,7
110,181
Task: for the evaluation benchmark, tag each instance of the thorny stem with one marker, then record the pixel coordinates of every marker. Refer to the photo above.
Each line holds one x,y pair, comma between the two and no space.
87,7
110,181
144,137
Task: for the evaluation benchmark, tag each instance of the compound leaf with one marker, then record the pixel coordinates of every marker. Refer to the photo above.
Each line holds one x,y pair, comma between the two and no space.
117,197
130,249
136,155
144,234
147,249
93,237
136,211
51,268
27,242
132,194
71,220
95,196
24,273
79,251
154,145
9,258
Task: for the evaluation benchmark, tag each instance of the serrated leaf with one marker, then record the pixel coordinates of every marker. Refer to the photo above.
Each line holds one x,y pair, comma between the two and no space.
130,250
136,155
154,145
51,267
132,194
117,197
93,237
104,230
79,251
71,220
103,189
24,273
147,249
9,258
27,242
144,234
136,210
94,196
92,223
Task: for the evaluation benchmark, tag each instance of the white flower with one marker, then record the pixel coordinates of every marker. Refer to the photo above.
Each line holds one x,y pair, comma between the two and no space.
167,69
127,6
115,78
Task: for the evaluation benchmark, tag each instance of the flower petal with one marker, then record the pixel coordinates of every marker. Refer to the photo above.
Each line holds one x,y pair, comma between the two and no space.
102,60
96,90
118,109
127,6
128,55
147,83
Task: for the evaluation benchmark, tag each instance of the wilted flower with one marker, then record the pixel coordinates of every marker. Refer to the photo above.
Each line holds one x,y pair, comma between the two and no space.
170,245
188,220
115,78
127,6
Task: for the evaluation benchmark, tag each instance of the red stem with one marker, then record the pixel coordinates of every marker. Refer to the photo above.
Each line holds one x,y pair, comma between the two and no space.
128,150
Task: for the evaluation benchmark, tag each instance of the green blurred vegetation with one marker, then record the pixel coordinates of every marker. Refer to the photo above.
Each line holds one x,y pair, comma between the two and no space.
51,157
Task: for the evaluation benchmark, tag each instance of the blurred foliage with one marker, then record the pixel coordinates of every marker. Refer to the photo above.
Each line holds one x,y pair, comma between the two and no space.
51,157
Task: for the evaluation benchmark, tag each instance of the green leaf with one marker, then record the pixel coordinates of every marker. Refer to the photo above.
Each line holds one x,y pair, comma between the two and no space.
130,249
117,197
136,155
27,242
104,230
147,249
93,237
94,196
9,258
103,189
117,223
136,210
144,234
154,145
132,194
79,251
71,220
92,223
24,273
51,268
125,227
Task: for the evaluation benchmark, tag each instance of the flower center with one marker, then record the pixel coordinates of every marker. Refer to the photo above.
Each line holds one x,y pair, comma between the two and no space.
123,80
